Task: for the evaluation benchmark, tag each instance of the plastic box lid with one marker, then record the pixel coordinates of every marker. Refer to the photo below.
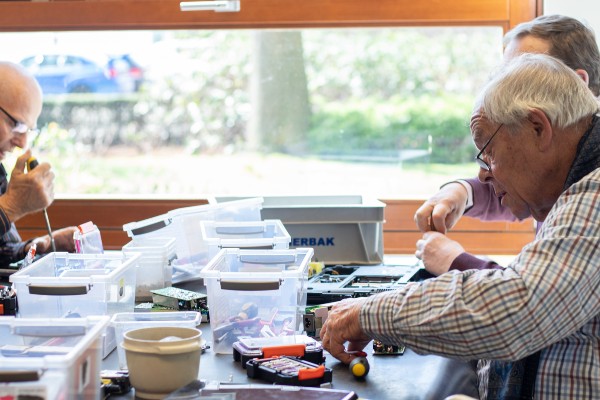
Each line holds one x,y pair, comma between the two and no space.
27,342
251,265
245,234
62,267
320,209
224,211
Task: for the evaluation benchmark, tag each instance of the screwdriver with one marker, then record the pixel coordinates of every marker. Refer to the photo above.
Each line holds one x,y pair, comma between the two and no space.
32,162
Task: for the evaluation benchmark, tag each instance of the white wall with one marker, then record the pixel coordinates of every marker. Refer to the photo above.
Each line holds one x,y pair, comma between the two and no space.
584,10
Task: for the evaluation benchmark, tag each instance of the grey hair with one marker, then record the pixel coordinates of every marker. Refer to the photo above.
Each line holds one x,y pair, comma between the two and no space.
536,81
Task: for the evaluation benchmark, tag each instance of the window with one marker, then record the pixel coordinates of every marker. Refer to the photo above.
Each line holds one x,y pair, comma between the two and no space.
377,111
327,108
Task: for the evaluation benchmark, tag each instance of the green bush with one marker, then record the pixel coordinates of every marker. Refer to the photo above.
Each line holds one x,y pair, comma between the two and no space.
439,125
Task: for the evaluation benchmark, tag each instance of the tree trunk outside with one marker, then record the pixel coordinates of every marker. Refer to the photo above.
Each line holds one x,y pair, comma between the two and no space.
280,113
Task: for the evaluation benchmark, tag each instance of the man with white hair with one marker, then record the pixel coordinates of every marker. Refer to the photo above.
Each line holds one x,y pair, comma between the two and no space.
25,192
538,136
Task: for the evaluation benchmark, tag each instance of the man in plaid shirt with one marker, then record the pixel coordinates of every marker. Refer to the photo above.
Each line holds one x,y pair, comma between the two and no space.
536,128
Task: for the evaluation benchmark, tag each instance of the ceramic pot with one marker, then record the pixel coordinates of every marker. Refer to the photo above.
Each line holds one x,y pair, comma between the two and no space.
162,359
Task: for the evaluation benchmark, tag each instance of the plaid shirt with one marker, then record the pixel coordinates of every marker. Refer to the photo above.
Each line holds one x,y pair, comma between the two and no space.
547,299
12,248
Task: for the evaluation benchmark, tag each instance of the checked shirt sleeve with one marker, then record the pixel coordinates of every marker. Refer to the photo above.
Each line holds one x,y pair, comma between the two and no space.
546,295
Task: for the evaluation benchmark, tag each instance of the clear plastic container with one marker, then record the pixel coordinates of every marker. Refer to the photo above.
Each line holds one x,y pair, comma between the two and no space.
78,285
51,358
184,225
255,293
154,266
267,234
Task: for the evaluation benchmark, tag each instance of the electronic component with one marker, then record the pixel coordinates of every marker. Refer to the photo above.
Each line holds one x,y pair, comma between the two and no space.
286,370
300,346
179,299
313,319
8,301
114,382
381,349
342,282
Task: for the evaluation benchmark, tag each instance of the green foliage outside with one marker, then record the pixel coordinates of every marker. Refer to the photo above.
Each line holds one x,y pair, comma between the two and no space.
438,125
372,93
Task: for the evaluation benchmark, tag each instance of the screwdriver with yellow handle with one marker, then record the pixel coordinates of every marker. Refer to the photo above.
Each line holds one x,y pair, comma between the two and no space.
32,162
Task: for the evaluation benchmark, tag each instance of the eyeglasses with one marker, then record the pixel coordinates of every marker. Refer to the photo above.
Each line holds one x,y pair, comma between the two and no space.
482,164
20,128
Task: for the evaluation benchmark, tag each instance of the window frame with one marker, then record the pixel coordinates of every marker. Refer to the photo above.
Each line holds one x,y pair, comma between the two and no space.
23,15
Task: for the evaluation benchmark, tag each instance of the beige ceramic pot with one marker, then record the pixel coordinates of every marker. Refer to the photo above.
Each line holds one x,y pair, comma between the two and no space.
162,359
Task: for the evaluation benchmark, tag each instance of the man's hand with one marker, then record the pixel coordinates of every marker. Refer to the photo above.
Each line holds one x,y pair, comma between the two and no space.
437,252
63,240
343,325
441,212
28,192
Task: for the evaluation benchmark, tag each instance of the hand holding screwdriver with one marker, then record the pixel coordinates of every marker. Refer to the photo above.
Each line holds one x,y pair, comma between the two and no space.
27,193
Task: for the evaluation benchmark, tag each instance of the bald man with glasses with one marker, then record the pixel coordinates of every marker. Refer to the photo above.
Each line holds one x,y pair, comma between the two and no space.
25,192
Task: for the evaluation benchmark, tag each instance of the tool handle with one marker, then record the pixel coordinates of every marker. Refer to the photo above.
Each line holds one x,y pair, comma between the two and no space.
32,162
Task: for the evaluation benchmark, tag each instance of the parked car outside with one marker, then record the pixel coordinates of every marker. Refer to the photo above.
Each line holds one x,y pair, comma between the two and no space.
126,71
67,73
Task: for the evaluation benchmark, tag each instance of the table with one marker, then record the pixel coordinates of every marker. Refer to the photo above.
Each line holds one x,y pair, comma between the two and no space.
410,376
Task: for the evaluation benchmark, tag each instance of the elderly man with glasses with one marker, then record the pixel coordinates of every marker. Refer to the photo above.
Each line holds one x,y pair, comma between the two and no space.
25,192
543,159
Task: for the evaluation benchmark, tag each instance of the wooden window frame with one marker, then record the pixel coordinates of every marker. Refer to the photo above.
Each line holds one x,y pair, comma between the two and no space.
49,15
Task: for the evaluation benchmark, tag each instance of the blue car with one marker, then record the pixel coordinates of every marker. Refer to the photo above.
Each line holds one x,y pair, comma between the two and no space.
60,73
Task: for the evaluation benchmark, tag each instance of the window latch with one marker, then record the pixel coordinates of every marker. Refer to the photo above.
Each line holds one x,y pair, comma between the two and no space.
215,5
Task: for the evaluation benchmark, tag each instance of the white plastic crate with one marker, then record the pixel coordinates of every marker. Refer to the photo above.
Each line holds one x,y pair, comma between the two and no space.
51,358
123,322
78,285
341,229
267,234
154,266
255,293
184,225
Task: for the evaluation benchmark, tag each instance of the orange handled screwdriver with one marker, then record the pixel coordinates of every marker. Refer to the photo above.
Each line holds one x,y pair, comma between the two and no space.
32,162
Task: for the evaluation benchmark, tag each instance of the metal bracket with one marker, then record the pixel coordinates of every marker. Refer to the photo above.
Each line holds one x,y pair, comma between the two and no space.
214,5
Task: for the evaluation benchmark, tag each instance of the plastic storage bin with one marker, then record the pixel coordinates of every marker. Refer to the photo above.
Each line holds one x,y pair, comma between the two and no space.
51,359
78,285
341,229
154,266
184,225
123,322
255,293
268,234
